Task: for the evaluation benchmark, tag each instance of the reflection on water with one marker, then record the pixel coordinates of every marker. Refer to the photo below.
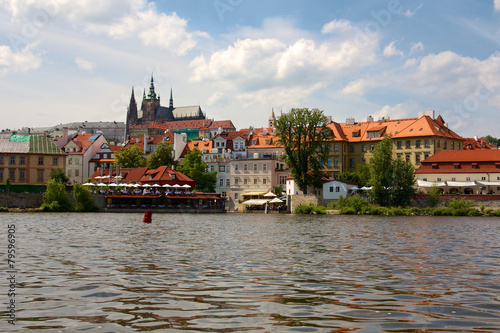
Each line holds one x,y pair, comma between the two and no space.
257,273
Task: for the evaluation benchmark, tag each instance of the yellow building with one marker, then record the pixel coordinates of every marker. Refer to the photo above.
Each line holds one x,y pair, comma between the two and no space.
414,139
29,159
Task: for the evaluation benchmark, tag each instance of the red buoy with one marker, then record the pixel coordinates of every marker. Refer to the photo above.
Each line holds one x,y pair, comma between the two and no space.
147,216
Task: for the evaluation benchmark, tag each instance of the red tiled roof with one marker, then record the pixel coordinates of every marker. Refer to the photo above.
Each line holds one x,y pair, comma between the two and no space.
462,161
486,155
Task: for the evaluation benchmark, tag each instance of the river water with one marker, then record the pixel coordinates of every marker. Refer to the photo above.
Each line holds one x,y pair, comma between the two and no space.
110,272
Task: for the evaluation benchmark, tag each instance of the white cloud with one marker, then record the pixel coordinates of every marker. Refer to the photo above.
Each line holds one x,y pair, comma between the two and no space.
410,13
15,62
416,47
407,109
81,63
391,50
360,86
336,25
497,4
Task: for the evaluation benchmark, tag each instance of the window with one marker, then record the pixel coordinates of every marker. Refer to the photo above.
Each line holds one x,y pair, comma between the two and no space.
335,147
351,148
55,161
374,134
255,168
236,167
408,144
351,162
399,144
453,179
12,174
12,160
335,162
363,148
372,147
1,174
425,179
331,188
236,196
70,161
221,182
483,178
227,168
407,157
212,168
255,181
228,182
224,193
444,144
222,168
40,175
282,179
245,181
417,143
1,159
264,181
439,179
426,143
264,167
77,173
245,167
438,143
426,156
467,178
337,189
329,162
417,159
236,181
452,145
22,160
40,161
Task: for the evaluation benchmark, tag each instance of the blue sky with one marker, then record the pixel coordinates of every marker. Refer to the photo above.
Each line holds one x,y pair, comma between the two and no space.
63,60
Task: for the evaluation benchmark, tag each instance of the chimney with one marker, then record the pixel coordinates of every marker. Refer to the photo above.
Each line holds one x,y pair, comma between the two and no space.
65,134
369,119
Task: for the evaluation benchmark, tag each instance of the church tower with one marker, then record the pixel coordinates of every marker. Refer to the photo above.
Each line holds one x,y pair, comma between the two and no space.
272,119
131,114
150,104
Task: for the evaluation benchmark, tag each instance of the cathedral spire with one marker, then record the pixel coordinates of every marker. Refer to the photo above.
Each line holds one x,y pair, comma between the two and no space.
152,94
171,105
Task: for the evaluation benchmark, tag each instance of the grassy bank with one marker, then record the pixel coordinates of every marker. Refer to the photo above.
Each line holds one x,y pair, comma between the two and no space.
357,205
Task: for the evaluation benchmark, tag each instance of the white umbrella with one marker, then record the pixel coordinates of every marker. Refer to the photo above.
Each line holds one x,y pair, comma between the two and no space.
146,185
88,184
354,188
155,185
176,185
113,184
276,200
269,194
186,186
136,185
167,185
102,184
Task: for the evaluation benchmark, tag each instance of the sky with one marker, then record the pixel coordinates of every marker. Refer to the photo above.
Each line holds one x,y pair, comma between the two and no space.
64,61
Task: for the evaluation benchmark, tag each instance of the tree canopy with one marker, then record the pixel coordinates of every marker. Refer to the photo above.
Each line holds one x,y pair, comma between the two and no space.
492,140
391,179
193,166
59,176
361,175
131,157
162,155
304,135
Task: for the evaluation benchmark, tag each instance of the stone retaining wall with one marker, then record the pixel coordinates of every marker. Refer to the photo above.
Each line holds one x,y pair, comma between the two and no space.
17,200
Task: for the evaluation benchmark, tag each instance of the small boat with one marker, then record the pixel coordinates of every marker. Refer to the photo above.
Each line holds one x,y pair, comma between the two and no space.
147,216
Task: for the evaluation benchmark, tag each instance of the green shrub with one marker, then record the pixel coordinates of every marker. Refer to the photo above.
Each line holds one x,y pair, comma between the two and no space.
51,207
497,213
309,209
461,204
332,206
482,208
441,211
397,211
375,211
434,196
4,209
473,212
84,202
55,197
348,211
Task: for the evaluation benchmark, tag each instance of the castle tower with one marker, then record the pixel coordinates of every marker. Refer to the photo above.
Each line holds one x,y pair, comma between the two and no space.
131,114
150,104
272,118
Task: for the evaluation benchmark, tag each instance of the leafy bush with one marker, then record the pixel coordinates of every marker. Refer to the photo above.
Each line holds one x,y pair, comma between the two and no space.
461,204
441,211
376,211
51,207
473,212
309,209
56,197
84,202
434,196
497,213
397,211
356,202
4,209
348,211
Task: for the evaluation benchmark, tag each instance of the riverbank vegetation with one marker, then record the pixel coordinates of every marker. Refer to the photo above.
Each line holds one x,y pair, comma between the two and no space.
359,205
57,198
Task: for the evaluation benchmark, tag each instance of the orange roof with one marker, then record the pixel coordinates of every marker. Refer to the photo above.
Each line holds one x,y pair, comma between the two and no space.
82,141
473,143
165,175
138,140
462,161
261,140
200,144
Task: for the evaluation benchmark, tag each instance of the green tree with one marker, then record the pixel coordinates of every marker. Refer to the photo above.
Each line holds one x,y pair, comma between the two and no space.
59,176
162,155
193,166
8,182
434,196
360,175
131,157
403,179
84,202
56,197
304,134
278,190
492,140
381,172
391,179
